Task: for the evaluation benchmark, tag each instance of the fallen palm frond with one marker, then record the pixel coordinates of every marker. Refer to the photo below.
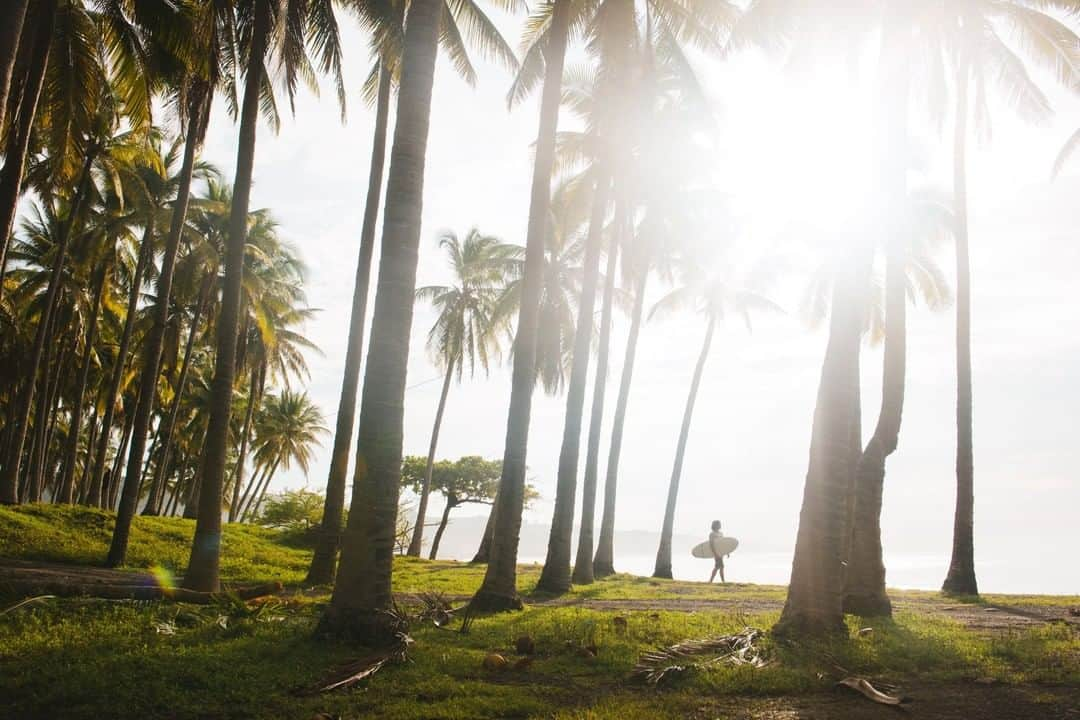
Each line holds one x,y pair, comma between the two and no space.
437,608
362,668
863,686
737,649
27,601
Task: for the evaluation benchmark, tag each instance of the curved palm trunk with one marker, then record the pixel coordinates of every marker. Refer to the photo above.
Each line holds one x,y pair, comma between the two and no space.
499,589
583,566
323,562
417,541
21,125
97,474
604,560
11,26
815,594
254,393
203,566
10,477
157,489
555,576
961,577
663,553
253,509
250,492
72,445
362,592
151,355
451,503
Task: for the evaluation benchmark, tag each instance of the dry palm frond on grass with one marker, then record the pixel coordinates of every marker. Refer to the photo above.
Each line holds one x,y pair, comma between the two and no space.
362,668
863,686
737,649
437,608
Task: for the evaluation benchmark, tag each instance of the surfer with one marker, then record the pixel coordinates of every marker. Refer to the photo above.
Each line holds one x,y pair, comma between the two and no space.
719,566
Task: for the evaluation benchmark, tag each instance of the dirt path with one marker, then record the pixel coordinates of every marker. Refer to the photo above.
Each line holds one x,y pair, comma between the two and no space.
29,578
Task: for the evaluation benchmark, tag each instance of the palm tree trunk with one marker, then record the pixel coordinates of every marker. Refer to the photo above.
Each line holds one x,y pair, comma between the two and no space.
10,476
111,488
72,445
323,562
961,577
203,566
238,473
250,491
30,492
815,595
583,566
257,498
112,397
451,503
499,589
11,177
417,541
153,505
363,589
11,26
604,560
483,553
555,577
663,553
151,356
94,428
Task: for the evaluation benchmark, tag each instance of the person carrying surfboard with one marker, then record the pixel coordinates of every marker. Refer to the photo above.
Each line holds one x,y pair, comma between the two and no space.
714,537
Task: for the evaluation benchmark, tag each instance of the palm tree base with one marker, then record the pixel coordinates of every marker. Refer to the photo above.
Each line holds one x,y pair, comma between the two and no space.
663,572
369,628
960,584
487,601
582,575
797,625
323,563
873,604
603,570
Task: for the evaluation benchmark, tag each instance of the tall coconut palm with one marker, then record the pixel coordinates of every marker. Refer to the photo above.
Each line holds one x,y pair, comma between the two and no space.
711,293
464,333
362,592
300,24
461,23
983,61
12,16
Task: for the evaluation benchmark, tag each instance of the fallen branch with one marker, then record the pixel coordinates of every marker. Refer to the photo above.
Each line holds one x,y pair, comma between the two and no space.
863,686
738,649
134,592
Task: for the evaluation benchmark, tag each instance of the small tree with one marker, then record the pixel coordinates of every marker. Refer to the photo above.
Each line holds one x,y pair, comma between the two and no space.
472,479
292,510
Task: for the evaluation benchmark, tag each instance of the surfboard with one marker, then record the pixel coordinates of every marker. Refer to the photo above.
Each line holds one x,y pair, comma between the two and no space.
725,545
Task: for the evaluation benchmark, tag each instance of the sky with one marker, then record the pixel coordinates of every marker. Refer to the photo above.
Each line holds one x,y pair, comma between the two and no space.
790,149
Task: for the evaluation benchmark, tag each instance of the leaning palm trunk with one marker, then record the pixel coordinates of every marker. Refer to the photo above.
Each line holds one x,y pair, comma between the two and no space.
815,595
112,396
604,560
323,562
168,434
583,567
961,577
203,566
21,125
71,448
11,472
483,553
499,589
362,593
555,576
152,347
254,393
252,511
417,540
11,25
663,553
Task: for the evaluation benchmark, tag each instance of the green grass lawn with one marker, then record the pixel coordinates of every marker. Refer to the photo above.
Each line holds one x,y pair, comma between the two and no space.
85,658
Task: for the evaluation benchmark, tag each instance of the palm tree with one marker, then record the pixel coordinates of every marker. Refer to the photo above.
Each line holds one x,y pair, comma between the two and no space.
982,58
12,15
307,22
362,591
287,430
461,22
715,297
464,332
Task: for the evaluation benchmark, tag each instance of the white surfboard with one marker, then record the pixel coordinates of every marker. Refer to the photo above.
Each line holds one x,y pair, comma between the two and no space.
724,545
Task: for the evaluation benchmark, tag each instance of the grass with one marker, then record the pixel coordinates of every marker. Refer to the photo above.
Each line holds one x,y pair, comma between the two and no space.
84,658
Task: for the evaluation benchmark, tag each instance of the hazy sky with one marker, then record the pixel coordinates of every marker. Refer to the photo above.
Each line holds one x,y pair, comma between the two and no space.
790,148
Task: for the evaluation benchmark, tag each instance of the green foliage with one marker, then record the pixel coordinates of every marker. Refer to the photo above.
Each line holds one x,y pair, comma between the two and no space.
292,510
470,479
